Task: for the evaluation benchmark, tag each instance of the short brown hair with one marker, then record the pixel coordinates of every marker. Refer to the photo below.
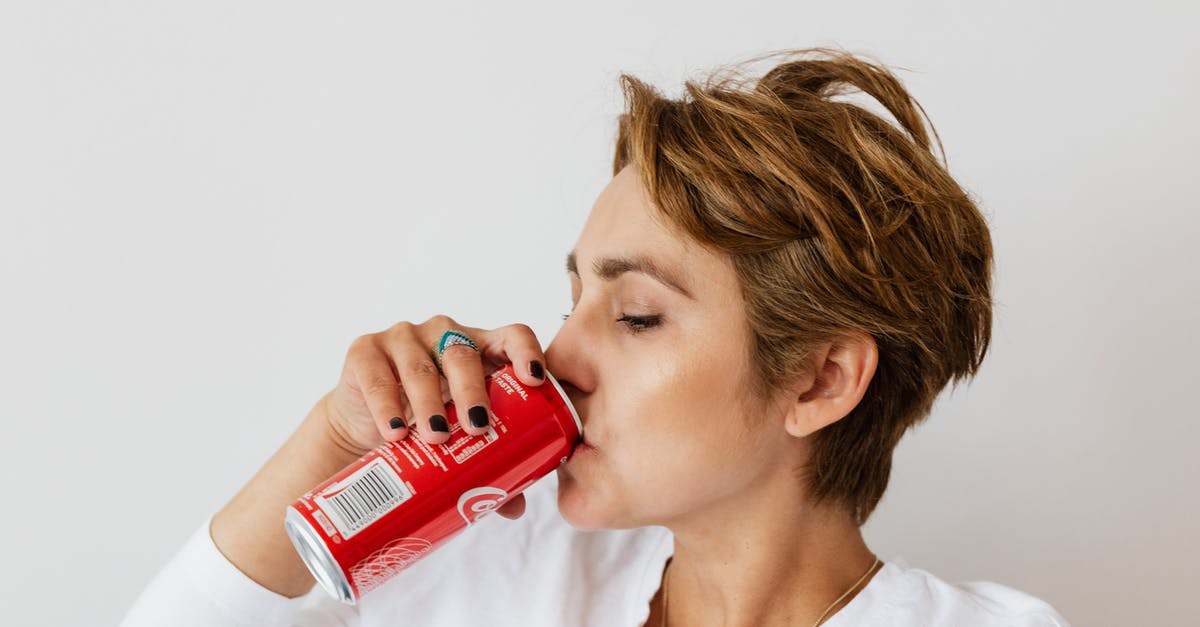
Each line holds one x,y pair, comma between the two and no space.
836,221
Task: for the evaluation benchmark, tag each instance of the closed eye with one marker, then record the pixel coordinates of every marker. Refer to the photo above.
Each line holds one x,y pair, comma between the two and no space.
636,324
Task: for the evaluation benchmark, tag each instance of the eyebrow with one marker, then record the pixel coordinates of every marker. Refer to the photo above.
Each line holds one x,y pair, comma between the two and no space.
609,268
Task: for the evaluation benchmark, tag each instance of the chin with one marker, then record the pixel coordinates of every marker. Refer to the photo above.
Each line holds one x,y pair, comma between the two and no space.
580,509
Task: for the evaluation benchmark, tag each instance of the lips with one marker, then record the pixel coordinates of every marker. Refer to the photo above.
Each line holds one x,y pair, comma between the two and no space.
576,397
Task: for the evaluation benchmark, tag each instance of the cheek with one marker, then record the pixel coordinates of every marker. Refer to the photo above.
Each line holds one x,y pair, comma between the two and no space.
674,438
678,461
696,443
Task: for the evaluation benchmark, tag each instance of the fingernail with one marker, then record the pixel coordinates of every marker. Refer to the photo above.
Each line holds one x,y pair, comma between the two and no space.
396,423
535,369
479,416
438,424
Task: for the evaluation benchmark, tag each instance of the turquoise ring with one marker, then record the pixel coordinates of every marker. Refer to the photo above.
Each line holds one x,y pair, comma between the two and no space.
450,338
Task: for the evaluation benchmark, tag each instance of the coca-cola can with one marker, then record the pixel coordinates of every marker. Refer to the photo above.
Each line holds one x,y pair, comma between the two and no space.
403,500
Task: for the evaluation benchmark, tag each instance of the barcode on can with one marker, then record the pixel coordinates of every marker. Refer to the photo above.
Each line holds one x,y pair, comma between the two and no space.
367,495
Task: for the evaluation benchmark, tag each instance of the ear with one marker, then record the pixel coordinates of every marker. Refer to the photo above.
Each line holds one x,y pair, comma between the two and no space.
841,372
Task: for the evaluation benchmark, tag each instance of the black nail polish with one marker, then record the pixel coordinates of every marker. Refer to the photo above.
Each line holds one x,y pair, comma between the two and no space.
396,423
535,368
479,416
438,424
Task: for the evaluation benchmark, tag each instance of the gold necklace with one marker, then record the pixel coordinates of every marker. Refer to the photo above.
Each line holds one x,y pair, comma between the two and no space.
667,579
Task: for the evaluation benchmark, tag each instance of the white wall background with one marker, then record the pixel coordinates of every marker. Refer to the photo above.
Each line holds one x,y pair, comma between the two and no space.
202,204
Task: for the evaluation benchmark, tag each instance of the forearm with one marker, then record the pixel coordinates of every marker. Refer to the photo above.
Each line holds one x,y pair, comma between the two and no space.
249,529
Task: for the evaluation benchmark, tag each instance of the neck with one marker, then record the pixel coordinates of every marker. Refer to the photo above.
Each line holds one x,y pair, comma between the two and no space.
769,558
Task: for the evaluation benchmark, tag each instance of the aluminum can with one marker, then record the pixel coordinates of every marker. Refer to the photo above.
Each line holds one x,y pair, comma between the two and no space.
403,500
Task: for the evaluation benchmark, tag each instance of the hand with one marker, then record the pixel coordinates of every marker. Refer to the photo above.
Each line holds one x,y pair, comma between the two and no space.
361,409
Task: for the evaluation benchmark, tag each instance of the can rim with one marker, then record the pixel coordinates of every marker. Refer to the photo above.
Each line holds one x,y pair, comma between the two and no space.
567,402
316,556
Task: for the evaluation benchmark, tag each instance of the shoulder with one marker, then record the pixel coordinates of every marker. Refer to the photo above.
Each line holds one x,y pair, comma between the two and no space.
900,595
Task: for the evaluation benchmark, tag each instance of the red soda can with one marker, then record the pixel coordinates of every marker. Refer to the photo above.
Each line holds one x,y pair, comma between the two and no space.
401,501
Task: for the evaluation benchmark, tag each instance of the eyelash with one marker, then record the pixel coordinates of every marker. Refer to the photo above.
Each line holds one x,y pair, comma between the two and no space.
636,324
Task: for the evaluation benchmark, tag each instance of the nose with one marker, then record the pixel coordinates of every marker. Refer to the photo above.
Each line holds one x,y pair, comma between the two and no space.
569,361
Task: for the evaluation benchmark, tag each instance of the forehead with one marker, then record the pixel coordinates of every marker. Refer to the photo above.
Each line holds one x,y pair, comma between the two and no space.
624,223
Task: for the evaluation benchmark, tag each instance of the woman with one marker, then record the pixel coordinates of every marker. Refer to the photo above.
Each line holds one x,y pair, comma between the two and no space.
775,285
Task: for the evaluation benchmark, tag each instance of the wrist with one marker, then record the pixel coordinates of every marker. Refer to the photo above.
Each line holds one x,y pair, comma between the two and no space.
249,530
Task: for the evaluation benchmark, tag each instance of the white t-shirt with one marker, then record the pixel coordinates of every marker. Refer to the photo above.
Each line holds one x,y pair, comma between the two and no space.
536,571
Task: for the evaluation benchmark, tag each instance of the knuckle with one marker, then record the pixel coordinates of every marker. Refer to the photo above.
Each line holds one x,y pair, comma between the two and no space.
361,344
377,384
420,369
518,328
361,354
440,321
403,327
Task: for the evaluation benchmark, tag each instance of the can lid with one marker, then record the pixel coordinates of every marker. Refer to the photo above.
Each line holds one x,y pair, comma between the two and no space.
316,556
567,401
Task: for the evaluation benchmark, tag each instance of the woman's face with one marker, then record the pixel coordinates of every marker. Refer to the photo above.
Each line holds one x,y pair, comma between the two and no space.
658,374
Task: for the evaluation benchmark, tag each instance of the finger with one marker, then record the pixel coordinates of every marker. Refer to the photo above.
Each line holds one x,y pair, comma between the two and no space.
514,508
381,392
463,366
517,344
422,385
